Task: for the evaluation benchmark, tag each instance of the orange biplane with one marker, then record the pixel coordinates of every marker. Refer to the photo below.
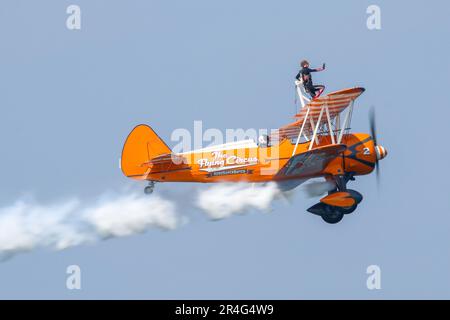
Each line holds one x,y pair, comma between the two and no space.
317,144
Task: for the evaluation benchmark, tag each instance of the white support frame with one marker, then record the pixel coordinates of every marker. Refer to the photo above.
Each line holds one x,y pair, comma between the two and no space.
303,98
336,135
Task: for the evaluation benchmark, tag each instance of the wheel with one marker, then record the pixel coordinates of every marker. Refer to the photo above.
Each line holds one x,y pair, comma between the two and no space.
349,209
333,218
332,215
148,190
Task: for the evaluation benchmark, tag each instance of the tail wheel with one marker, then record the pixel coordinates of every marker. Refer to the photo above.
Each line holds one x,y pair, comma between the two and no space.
148,190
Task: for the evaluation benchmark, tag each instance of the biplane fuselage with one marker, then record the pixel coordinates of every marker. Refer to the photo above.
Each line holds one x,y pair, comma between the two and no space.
261,164
317,144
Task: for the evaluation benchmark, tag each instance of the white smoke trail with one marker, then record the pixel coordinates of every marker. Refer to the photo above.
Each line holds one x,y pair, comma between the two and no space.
131,214
25,225
317,188
224,200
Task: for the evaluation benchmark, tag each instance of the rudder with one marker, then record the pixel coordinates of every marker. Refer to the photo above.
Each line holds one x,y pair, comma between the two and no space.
142,145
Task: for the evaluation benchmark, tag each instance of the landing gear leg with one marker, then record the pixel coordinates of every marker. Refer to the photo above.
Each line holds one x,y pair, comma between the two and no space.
341,185
341,181
149,189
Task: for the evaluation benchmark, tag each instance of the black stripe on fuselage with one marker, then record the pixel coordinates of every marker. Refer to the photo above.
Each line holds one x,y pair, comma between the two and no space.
353,154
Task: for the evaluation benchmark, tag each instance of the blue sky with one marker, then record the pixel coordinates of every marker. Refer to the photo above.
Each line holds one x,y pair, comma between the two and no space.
69,98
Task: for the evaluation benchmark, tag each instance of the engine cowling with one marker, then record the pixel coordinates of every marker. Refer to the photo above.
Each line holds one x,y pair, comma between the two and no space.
362,154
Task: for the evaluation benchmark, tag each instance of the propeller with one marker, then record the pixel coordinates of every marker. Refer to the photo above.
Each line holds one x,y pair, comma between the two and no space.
380,151
373,133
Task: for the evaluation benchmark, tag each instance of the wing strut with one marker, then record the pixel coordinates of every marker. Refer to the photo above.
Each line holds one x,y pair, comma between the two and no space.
344,125
314,137
300,133
329,124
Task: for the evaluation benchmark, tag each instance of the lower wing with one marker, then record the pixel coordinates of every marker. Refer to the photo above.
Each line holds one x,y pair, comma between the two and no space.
311,163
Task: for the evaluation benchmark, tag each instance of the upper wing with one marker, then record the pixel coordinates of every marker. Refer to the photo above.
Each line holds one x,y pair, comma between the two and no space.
311,163
336,103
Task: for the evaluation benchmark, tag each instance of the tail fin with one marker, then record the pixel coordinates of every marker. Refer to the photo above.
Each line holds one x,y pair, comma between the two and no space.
142,145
